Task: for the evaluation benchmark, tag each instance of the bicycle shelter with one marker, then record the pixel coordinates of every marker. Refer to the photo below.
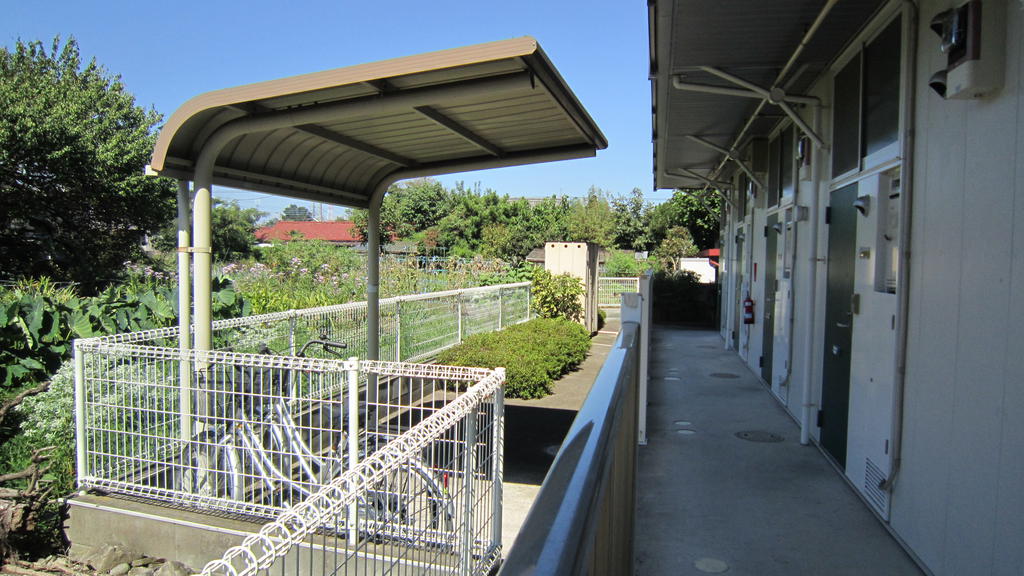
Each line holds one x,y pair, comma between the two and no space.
344,137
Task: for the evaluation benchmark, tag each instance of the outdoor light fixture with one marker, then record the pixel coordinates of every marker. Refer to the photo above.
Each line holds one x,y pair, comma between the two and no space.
777,227
862,204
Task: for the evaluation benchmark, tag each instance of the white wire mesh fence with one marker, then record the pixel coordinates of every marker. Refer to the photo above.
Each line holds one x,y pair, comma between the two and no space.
398,469
427,502
277,417
610,290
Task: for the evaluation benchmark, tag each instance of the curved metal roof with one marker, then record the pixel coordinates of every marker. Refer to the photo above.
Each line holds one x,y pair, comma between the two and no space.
338,135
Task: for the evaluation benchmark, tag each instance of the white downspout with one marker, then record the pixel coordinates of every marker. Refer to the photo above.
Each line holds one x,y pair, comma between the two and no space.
903,276
806,398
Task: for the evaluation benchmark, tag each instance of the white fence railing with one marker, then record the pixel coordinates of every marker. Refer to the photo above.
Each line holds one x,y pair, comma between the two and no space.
411,327
610,290
283,414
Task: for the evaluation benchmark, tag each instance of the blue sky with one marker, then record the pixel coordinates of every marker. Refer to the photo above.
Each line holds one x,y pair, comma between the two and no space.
167,52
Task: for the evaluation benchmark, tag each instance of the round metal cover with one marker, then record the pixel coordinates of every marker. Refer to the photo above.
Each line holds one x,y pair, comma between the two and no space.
759,436
724,375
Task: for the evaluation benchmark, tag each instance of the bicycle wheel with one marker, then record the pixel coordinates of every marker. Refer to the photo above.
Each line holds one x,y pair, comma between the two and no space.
410,505
210,466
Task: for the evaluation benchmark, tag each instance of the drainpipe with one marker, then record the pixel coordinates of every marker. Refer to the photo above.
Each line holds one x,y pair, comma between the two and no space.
184,310
806,397
729,253
903,276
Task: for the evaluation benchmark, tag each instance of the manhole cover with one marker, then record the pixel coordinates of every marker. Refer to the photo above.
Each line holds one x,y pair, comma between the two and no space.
724,375
759,436
686,432
682,422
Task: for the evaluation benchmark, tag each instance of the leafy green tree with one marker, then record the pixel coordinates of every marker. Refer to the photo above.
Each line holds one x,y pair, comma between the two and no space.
677,244
407,209
294,212
232,226
624,263
74,201
632,219
233,230
462,229
591,219
550,219
697,210
418,204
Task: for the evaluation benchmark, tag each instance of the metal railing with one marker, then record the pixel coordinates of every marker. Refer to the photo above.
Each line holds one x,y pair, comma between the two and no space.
412,328
610,290
582,521
409,476
273,415
426,502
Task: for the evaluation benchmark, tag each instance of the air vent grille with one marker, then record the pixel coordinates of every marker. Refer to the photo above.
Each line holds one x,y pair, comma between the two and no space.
879,498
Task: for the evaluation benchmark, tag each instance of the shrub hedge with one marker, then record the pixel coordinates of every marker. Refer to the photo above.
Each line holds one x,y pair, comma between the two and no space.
534,354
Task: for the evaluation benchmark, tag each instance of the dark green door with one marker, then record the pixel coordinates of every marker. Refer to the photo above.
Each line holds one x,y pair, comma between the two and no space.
835,386
770,255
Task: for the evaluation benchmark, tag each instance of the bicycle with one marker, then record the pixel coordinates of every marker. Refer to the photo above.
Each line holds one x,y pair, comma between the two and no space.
254,450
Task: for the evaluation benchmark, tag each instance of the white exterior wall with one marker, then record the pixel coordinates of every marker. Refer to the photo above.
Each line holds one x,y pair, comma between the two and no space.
959,500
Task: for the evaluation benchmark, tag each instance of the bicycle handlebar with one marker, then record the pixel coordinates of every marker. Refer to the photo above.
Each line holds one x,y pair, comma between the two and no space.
329,346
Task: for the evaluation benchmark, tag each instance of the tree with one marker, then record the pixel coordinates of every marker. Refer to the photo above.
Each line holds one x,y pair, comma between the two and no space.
418,204
632,219
232,226
296,213
697,210
591,219
74,200
677,244
550,219
234,230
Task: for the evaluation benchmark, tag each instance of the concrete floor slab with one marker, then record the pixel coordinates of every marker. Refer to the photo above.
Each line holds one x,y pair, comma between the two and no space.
711,502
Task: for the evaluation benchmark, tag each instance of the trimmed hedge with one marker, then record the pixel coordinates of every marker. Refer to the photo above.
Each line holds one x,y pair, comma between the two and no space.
534,354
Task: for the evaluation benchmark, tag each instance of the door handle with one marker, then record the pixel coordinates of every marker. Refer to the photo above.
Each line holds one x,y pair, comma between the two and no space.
841,325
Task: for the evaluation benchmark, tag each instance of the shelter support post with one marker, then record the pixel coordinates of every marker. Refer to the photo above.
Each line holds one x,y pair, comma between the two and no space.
202,257
373,283
184,309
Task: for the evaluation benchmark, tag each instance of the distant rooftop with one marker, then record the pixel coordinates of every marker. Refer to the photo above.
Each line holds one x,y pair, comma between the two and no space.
338,232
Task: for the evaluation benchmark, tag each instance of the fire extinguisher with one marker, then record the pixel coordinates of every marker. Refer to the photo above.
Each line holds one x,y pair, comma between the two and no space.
748,310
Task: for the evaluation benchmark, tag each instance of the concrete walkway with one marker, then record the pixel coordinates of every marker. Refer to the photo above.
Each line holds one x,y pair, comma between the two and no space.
710,502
